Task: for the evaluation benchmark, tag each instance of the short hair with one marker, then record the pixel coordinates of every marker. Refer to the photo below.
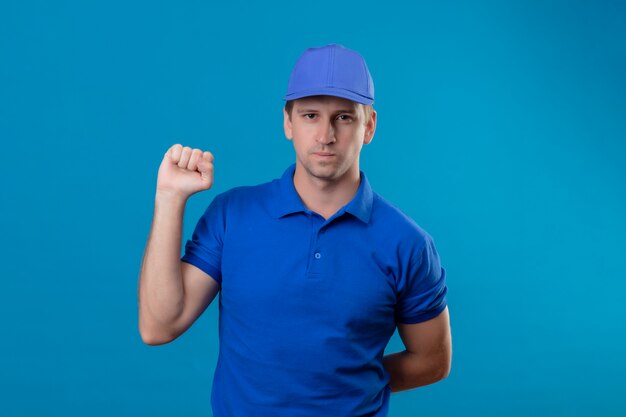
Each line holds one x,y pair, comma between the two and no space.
367,109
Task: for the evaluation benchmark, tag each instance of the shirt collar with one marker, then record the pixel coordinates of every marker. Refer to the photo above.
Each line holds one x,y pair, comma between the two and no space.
289,200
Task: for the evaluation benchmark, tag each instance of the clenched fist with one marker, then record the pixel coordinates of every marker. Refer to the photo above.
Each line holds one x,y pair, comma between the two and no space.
184,171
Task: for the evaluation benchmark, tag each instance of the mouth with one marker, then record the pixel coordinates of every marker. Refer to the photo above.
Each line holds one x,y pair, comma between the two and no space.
324,154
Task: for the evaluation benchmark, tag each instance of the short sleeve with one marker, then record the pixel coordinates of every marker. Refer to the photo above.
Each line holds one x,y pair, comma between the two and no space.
422,291
204,249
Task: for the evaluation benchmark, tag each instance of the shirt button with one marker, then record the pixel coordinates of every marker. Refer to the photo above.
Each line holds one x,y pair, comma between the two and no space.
318,255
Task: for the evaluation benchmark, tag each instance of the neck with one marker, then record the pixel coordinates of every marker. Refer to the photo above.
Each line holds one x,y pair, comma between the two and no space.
325,196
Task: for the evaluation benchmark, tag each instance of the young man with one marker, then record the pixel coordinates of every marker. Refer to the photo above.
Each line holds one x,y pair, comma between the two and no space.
315,270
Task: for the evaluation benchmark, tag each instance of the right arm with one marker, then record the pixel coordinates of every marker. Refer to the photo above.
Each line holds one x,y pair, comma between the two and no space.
172,294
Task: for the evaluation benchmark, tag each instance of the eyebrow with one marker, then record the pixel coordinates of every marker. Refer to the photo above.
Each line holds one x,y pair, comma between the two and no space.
305,110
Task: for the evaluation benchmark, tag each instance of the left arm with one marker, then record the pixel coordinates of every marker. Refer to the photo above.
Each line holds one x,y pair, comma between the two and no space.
428,355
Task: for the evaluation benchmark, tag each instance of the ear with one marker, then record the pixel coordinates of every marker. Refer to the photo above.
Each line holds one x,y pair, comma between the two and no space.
370,128
287,125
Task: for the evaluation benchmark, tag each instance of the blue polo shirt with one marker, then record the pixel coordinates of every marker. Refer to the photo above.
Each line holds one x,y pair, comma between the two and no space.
308,305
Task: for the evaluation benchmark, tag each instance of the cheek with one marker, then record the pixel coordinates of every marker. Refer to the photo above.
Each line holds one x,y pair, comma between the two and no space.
351,135
351,130
306,130
300,131
299,145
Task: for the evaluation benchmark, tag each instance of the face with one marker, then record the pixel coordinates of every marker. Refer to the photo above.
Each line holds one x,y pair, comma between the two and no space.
328,133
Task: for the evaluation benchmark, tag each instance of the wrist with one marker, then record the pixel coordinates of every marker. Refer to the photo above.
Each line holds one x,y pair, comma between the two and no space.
170,197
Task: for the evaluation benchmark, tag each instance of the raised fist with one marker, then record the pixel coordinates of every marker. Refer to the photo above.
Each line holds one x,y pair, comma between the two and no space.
184,171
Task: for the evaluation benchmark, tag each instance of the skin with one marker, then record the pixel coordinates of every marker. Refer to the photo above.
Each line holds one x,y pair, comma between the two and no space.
173,294
428,355
334,125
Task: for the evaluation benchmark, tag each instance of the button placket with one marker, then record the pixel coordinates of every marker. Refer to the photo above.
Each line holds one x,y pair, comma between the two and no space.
316,266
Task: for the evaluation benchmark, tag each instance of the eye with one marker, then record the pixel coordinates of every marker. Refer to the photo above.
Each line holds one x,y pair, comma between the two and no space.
346,117
306,116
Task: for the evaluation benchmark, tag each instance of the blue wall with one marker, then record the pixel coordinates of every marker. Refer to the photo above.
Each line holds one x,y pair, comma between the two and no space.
501,131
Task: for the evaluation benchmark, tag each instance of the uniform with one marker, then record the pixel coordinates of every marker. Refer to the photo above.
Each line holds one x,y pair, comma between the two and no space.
308,305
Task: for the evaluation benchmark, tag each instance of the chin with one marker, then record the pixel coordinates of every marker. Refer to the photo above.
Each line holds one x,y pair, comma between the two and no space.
321,169
326,171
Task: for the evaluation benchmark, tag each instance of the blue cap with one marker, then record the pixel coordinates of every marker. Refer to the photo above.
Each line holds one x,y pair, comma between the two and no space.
331,70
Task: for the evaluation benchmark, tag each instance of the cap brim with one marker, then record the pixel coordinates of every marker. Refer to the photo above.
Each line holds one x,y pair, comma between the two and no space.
328,91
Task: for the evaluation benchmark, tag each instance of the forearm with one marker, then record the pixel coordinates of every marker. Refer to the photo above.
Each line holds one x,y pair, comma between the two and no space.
161,290
409,370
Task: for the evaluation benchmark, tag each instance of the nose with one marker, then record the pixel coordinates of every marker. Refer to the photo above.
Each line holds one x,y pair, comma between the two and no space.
327,132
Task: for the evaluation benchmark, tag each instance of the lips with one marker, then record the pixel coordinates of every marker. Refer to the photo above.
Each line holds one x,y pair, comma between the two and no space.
324,154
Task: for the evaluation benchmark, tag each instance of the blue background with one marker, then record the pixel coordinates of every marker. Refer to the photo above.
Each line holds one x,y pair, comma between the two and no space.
501,131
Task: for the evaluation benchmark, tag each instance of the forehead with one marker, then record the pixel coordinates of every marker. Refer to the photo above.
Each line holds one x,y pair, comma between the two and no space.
326,101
